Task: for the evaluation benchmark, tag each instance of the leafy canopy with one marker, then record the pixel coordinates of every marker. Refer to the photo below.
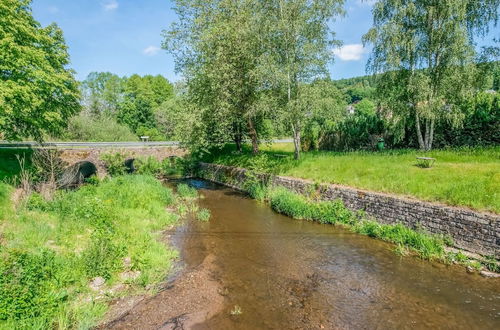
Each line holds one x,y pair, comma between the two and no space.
38,93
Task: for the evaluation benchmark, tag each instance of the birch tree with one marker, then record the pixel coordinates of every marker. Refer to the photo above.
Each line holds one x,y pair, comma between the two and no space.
217,47
299,44
425,50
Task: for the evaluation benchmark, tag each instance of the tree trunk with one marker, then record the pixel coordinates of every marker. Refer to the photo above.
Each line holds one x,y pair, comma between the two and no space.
296,141
238,136
237,141
431,134
421,144
253,136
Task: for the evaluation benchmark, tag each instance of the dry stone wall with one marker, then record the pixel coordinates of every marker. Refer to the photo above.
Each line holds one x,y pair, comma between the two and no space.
472,231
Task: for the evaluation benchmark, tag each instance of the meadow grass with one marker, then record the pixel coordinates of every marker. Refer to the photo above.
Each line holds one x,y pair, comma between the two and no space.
51,250
467,177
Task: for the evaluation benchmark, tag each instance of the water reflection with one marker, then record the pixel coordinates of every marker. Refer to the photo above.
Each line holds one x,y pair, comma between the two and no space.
289,274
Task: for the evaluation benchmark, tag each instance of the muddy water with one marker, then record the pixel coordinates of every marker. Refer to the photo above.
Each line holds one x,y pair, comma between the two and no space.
273,272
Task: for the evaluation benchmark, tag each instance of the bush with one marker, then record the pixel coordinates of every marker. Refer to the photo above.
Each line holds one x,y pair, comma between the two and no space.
28,284
115,163
149,165
152,133
98,129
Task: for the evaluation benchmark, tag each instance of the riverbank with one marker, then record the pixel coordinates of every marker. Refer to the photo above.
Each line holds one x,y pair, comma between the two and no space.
468,177
63,260
412,226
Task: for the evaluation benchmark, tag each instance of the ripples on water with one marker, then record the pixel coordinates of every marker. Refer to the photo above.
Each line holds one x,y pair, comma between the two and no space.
291,274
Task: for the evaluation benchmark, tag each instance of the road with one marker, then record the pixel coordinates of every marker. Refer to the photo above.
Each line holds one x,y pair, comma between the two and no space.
70,145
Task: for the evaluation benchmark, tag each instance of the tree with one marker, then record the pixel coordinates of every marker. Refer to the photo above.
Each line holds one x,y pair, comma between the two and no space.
38,93
299,47
141,96
217,48
426,50
102,93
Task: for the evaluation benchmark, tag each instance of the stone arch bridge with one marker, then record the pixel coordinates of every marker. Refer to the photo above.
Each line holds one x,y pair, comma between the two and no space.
88,161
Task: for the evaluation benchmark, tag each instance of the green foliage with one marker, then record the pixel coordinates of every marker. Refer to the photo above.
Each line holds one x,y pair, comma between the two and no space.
51,250
153,133
5,204
148,165
173,166
141,95
299,207
428,247
185,191
28,283
491,263
203,215
115,163
426,49
97,129
38,93
102,93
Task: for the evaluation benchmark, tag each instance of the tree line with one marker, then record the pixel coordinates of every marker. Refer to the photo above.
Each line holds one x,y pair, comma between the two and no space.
257,69
247,62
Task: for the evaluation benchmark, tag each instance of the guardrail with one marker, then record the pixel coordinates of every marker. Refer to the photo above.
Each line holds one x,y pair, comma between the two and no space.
32,144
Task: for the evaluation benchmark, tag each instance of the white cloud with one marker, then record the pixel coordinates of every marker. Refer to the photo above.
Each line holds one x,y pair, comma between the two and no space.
110,5
151,50
352,52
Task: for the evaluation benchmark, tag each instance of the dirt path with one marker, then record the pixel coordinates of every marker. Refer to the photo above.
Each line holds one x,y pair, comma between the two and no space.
192,298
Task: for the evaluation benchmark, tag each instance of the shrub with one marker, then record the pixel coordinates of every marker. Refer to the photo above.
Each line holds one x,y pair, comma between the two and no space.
98,129
28,283
203,215
172,166
149,165
152,133
115,163
102,258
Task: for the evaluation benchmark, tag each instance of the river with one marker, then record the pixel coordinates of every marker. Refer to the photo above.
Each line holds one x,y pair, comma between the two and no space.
272,272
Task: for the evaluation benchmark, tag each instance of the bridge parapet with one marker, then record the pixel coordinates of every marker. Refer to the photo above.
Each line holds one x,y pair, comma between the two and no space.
72,156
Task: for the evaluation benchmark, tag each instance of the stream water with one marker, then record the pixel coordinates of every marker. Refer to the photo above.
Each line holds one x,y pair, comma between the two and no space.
274,272
282,273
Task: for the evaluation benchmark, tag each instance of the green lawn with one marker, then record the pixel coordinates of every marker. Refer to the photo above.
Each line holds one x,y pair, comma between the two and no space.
461,177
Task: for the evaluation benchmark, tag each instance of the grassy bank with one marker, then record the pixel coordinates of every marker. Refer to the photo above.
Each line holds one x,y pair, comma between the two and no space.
461,177
54,254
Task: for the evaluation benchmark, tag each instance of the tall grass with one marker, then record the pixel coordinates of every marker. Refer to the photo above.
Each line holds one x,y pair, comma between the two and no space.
52,250
297,206
460,177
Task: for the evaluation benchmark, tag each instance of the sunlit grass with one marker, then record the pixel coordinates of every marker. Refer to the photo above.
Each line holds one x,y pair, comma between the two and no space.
460,177
51,250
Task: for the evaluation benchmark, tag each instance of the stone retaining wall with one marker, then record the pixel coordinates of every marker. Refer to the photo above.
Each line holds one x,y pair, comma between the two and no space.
472,231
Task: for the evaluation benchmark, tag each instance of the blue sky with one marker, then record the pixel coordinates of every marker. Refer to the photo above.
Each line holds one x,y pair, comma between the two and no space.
124,36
